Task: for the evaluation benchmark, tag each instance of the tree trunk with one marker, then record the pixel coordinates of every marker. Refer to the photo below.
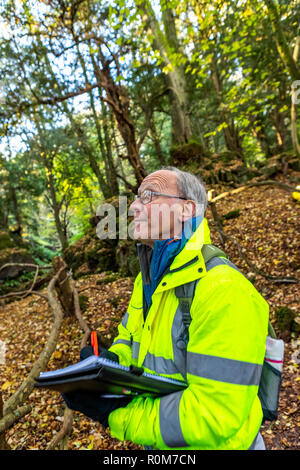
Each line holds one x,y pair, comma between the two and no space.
281,131
281,41
167,44
156,142
64,286
117,98
111,179
112,176
55,205
294,130
231,135
262,140
82,142
3,443
16,210
56,209
176,83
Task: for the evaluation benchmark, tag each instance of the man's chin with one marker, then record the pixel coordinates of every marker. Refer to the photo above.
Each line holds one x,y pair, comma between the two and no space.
143,238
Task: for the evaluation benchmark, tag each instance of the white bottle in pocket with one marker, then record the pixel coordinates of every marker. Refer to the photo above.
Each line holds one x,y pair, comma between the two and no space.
274,352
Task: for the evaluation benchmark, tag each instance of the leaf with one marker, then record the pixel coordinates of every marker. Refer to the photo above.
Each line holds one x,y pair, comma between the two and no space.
168,68
6,385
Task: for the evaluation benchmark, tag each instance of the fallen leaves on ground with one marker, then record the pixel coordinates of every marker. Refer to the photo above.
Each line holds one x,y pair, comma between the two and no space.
267,229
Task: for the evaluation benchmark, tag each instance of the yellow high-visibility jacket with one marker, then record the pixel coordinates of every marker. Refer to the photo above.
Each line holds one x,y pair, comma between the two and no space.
222,362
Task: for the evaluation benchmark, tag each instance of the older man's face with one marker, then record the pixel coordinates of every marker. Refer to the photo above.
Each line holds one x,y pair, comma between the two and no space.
162,217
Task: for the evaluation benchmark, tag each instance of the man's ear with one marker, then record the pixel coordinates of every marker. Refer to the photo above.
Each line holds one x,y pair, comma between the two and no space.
188,210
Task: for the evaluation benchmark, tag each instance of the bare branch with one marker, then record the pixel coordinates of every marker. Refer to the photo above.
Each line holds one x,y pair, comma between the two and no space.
65,431
24,293
129,185
9,419
79,317
27,385
25,265
58,99
256,183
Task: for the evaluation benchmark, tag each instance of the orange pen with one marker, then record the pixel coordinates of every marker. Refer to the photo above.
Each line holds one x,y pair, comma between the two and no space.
94,342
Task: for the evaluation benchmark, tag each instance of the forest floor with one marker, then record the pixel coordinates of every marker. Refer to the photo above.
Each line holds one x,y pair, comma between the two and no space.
268,232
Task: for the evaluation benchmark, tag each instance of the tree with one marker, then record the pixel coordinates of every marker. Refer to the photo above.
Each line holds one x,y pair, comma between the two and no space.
281,40
172,59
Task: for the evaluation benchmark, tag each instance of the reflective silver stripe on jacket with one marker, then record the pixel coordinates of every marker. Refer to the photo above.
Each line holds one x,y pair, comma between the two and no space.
125,319
122,341
223,369
135,349
169,420
159,364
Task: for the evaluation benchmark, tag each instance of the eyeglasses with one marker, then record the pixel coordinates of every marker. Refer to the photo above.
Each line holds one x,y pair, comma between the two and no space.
146,196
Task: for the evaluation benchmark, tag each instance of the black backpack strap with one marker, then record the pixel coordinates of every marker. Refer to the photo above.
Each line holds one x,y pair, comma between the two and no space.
213,256
185,292
210,251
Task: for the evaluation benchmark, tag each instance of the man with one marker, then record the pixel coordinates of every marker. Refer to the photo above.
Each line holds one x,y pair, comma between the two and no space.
223,357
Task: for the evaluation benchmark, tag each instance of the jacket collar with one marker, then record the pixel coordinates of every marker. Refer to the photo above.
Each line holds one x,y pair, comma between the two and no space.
193,246
190,248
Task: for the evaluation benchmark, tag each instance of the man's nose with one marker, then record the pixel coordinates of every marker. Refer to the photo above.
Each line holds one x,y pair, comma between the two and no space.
135,206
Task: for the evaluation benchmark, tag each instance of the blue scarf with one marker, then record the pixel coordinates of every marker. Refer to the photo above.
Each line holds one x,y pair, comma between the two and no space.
164,252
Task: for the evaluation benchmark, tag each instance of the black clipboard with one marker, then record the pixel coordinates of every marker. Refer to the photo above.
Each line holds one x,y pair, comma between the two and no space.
108,378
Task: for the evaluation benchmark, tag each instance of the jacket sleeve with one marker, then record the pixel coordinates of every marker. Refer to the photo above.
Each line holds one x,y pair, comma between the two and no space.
123,343
225,354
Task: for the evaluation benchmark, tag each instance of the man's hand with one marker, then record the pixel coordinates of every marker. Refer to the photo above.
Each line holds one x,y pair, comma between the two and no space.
88,351
93,405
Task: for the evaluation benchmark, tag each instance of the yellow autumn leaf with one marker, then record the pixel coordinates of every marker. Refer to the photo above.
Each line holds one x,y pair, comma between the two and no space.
57,354
6,385
296,196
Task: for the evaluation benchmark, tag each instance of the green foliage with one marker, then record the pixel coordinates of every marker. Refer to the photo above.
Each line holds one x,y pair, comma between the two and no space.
83,302
5,241
63,151
232,214
19,281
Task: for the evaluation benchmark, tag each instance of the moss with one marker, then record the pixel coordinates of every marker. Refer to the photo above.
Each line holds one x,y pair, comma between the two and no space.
115,301
232,214
189,152
127,259
6,241
89,253
83,301
109,278
227,156
285,319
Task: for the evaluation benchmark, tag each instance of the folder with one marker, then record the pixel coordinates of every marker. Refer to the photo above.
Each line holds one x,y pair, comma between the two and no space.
108,378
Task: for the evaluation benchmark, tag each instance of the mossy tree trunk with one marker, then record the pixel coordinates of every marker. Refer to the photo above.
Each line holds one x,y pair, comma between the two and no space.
63,286
166,43
3,443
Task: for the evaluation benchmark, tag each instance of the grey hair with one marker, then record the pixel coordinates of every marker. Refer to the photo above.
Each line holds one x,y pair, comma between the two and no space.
190,187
